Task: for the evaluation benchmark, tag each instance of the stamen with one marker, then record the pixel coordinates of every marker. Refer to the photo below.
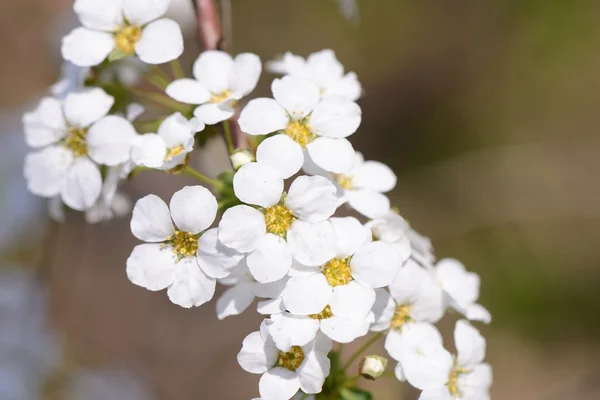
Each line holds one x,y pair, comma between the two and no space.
324,314
173,151
220,97
184,244
300,132
344,181
292,359
76,141
278,219
127,37
337,271
401,316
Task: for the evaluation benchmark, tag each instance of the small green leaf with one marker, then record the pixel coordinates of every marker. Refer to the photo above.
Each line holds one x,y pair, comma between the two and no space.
354,394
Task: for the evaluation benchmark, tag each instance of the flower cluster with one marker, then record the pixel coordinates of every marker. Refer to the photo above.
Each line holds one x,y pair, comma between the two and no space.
322,277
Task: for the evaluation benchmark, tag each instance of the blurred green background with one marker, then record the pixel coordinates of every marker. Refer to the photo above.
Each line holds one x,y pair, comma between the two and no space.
487,110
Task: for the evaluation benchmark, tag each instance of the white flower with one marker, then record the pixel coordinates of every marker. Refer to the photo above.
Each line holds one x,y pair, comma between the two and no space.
170,146
346,281
362,187
281,228
429,367
285,372
462,289
181,256
323,69
304,122
120,28
220,81
392,229
75,135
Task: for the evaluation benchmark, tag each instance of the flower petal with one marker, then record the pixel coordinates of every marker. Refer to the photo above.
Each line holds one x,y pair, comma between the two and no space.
255,183
214,69
161,42
352,301
350,235
312,198
256,356
333,155
311,244
282,154
188,91
476,312
417,287
375,264
309,295
246,72
212,114
235,300
45,170
343,330
460,285
335,118
313,371
110,140
82,184
383,309
84,108
191,286
271,260
149,151
152,266
278,384
348,88
142,12
470,345
298,96
177,131
151,219
262,116
101,16
193,209
289,330
368,202
86,48
46,124
242,228
374,175
214,258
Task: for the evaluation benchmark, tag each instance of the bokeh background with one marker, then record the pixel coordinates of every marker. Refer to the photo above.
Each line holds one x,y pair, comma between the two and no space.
487,110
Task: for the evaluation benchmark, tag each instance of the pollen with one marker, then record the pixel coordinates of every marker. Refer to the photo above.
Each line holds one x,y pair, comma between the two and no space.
300,132
401,316
220,97
344,181
184,244
278,219
173,151
127,37
453,381
337,271
326,313
292,359
76,141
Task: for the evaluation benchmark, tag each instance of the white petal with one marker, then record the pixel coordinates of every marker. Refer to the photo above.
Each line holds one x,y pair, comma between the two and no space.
213,69
271,306
102,16
461,286
45,170
142,12
258,184
374,175
343,330
425,362
193,209
399,372
289,330
312,198
310,168
416,287
256,356
282,154
214,258
333,155
84,108
350,235
188,91
262,116
82,184
235,300
475,384
151,220
348,88
313,371
352,301
152,266
310,295
298,96
271,260
271,290
110,140
311,244
289,64
212,114
375,264
321,344
242,228
161,42
177,131
384,309
134,111
470,345
278,384
439,393
299,270
335,118
46,124
149,151
87,48
246,72
476,312
368,202
191,286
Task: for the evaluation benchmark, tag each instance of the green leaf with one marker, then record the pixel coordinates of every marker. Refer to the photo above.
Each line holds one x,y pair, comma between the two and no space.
354,394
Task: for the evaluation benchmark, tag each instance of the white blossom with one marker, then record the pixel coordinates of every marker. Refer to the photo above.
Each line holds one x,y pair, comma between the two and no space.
120,28
220,82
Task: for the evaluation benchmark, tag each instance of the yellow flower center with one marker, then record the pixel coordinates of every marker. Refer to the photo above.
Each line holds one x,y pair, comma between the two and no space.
278,219
184,244
326,313
300,132
220,97
401,316
453,381
127,37
292,359
76,141
344,181
337,271
173,151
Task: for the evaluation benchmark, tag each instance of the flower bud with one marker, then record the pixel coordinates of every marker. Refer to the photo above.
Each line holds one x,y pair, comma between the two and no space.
371,367
241,157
